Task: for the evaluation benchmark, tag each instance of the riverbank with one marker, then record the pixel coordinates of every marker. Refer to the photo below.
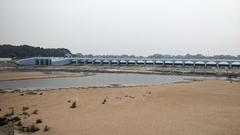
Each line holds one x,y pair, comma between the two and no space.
167,70
23,75
201,107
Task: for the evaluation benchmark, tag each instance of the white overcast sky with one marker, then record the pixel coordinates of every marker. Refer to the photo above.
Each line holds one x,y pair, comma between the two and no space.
139,27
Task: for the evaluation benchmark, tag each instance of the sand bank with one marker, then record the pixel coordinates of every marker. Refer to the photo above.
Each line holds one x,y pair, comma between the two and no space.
168,70
197,108
20,75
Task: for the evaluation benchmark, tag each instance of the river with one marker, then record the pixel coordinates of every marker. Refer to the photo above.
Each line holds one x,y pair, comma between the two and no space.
97,80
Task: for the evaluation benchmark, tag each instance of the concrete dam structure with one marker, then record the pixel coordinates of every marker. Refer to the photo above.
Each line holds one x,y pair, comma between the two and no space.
130,61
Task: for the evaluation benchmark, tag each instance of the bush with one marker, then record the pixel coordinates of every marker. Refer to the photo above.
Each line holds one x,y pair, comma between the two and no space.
39,121
73,105
12,111
35,111
25,113
19,124
15,119
104,101
10,114
46,128
32,128
25,108
3,121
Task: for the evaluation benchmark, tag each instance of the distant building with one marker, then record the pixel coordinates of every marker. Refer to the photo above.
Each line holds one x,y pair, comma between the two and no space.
44,61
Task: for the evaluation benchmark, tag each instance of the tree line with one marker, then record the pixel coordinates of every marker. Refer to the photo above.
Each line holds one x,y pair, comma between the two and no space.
161,56
25,51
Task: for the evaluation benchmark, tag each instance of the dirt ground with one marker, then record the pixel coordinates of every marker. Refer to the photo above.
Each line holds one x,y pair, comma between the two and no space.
210,107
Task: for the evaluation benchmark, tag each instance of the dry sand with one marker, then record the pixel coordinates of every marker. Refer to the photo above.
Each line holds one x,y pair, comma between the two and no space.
199,108
20,75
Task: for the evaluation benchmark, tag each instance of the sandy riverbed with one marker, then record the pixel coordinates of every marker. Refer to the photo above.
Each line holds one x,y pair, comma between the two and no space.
20,75
198,108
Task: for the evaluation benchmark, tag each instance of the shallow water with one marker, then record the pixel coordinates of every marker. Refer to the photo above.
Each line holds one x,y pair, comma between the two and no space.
98,80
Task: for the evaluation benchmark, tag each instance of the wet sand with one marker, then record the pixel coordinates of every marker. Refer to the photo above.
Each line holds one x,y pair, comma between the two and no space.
210,107
20,75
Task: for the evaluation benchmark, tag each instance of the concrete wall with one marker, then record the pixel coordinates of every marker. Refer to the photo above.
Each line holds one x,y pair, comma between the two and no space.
61,62
127,61
28,61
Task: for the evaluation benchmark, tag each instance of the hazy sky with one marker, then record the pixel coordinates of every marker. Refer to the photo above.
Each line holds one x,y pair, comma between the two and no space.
139,27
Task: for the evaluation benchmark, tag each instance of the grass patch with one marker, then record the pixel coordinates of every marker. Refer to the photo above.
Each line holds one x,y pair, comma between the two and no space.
15,119
104,101
19,124
25,113
35,112
73,105
3,121
32,128
131,97
24,108
31,93
11,113
46,128
38,121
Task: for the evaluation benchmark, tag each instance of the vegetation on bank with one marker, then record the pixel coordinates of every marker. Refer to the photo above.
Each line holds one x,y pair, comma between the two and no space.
24,51
161,56
17,121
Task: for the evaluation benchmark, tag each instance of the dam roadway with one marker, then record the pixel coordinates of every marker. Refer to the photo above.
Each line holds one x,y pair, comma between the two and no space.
130,61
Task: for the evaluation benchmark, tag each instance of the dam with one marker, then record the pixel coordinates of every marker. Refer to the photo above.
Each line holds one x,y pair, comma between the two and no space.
53,61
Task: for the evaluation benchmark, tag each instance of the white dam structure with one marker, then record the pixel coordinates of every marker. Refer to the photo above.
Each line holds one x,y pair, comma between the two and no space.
53,61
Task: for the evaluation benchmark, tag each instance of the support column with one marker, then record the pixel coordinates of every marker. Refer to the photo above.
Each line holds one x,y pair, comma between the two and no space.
76,61
205,64
49,61
145,62
127,62
173,63
44,62
154,62
230,65
194,64
136,62
163,62
217,63
118,62
37,62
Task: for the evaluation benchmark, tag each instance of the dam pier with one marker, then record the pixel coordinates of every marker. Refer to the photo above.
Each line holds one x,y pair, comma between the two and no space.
53,61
